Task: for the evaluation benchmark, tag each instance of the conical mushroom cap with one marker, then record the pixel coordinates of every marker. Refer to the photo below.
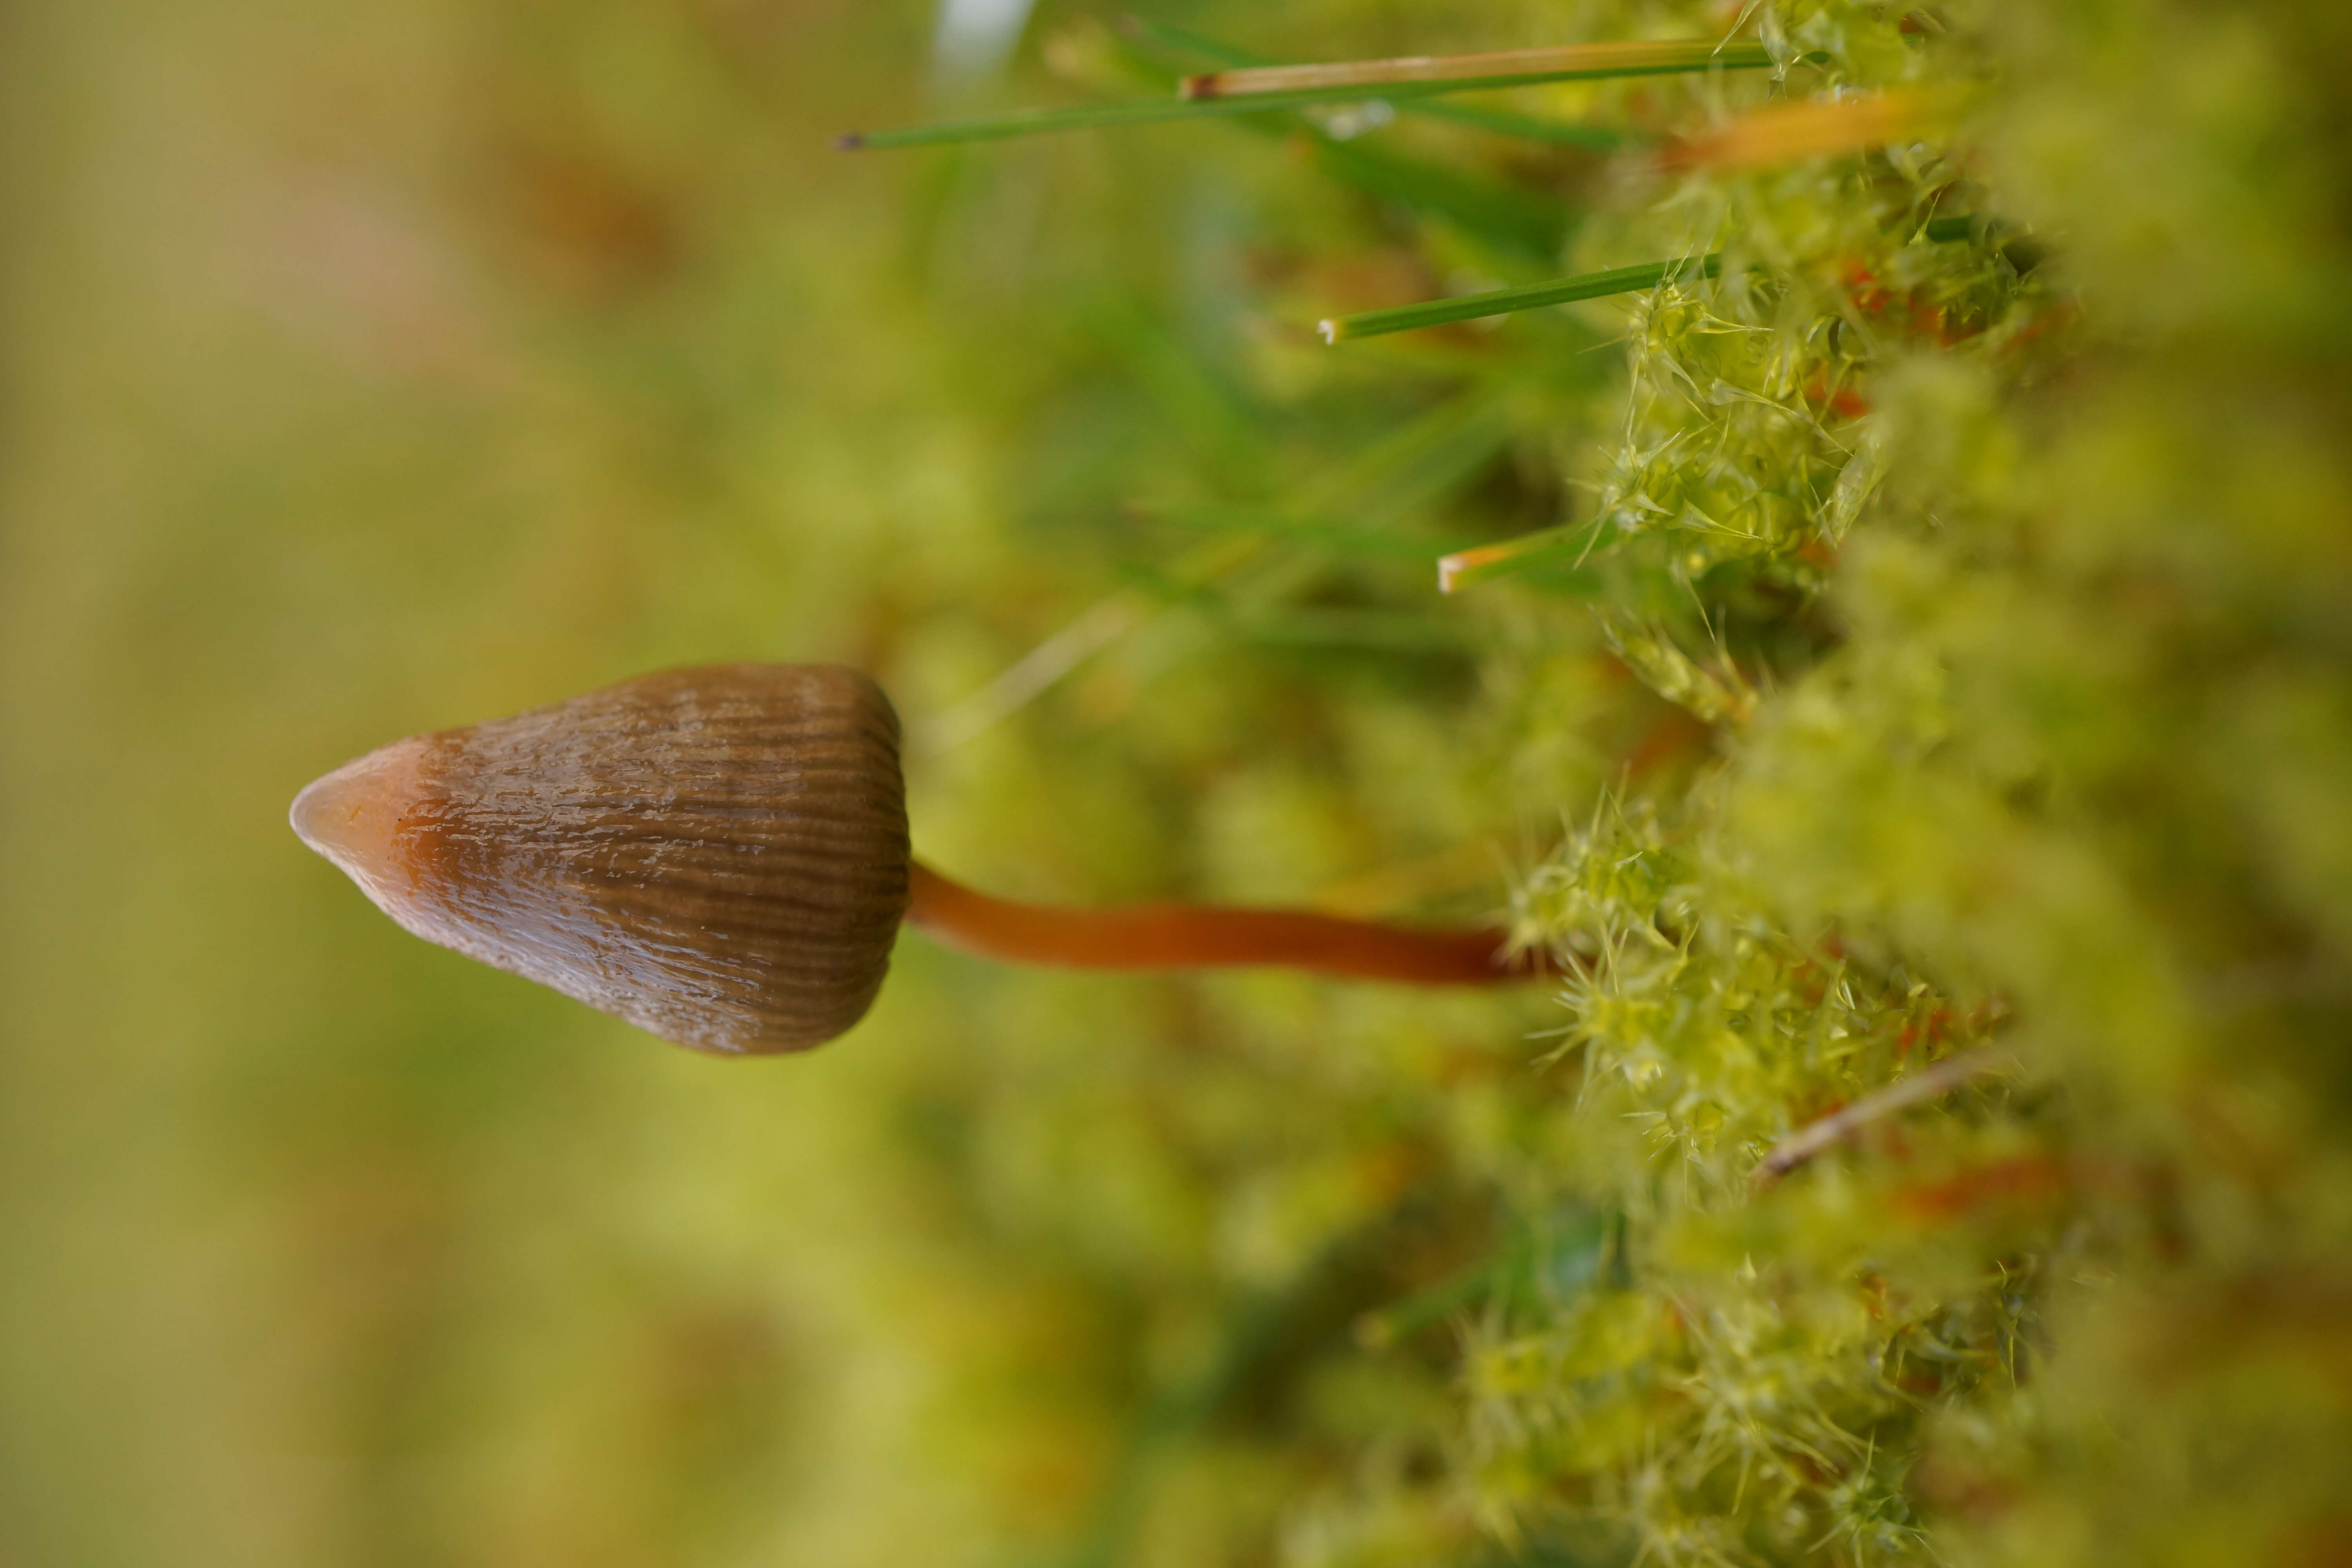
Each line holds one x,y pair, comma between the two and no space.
717,855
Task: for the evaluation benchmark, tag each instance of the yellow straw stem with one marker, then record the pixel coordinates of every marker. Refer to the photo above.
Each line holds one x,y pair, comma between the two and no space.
1556,62
1789,133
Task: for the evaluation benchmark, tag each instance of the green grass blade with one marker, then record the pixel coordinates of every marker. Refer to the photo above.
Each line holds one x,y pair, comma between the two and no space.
1346,539
1528,128
1503,301
1532,228
1098,116
1041,122
1169,37
1344,629
1416,466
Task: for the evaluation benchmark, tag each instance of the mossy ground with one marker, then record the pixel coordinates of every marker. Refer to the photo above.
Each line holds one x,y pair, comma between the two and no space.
1928,637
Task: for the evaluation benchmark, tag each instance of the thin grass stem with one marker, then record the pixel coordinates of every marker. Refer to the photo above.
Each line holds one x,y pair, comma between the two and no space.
1044,122
1504,301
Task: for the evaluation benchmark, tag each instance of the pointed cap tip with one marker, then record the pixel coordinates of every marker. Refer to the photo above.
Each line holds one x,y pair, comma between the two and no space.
351,816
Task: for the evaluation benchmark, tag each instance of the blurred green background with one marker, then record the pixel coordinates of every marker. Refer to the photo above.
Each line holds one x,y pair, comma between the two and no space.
378,369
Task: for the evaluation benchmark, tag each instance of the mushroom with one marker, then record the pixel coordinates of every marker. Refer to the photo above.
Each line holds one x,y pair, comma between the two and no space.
720,855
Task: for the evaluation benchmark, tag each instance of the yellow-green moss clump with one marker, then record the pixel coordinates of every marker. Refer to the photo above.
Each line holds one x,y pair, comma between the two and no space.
2005,560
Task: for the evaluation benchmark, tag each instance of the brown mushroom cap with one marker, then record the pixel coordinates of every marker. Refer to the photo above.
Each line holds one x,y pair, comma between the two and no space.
718,855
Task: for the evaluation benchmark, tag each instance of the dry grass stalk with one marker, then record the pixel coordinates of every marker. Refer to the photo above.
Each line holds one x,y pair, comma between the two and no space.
1788,132
1621,58
1813,1139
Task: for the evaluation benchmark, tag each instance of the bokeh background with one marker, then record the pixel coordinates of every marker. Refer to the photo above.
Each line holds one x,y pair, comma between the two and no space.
374,369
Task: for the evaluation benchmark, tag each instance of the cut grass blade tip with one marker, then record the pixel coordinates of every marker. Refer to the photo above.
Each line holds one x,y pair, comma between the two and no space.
1529,297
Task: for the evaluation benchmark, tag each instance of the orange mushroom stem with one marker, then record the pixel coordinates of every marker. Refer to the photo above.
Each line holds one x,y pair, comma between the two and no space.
1194,936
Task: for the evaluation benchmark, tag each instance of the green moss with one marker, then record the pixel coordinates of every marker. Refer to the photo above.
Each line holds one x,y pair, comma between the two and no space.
1960,548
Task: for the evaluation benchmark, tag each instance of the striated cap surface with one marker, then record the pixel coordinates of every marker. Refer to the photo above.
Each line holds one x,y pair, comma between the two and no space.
718,855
